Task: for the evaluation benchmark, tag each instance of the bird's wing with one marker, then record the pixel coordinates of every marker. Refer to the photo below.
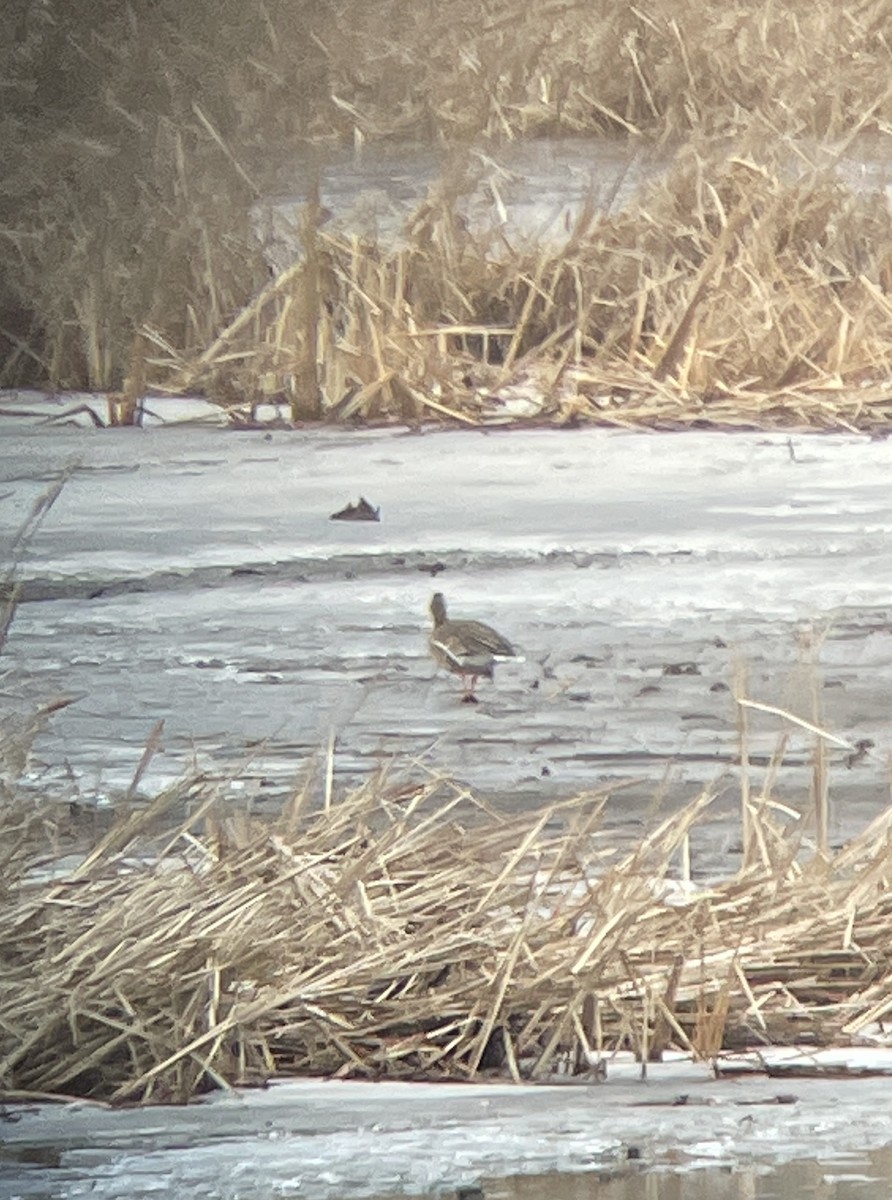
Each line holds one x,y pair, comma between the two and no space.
481,638
448,648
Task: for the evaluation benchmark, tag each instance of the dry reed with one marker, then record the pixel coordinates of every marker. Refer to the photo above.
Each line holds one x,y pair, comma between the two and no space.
413,933
736,297
732,297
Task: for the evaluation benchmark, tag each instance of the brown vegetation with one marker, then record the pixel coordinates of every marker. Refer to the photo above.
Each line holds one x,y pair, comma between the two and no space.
411,932
731,297
736,294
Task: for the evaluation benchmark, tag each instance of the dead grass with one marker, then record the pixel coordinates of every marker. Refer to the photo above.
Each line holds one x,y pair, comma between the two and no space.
411,932
138,142
667,68
733,296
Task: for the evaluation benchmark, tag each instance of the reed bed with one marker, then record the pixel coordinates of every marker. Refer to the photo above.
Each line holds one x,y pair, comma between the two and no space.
732,297
139,139
412,932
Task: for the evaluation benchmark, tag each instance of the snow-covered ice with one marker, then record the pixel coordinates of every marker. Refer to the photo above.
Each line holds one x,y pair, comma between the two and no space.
194,575
324,1140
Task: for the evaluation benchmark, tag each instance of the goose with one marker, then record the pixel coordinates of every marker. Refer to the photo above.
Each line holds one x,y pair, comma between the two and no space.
470,649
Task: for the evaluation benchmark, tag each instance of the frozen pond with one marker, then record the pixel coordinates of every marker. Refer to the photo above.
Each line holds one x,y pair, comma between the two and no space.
195,575
679,1136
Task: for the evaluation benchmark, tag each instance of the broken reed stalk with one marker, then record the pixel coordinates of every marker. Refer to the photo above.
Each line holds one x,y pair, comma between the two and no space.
740,686
307,400
671,356
8,605
40,509
810,644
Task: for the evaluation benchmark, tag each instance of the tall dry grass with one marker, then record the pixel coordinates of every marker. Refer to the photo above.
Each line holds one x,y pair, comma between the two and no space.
126,195
138,137
736,293
666,69
410,931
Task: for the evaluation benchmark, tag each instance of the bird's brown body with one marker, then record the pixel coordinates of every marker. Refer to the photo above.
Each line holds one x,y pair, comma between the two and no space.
466,648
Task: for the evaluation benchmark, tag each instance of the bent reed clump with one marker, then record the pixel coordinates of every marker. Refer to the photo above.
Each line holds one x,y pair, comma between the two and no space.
730,297
732,294
412,932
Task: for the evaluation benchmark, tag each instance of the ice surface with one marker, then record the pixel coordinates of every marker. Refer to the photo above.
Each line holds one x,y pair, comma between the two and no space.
322,1140
195,575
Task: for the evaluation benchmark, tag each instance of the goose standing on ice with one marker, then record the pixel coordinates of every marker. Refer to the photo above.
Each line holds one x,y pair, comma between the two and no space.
466,648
